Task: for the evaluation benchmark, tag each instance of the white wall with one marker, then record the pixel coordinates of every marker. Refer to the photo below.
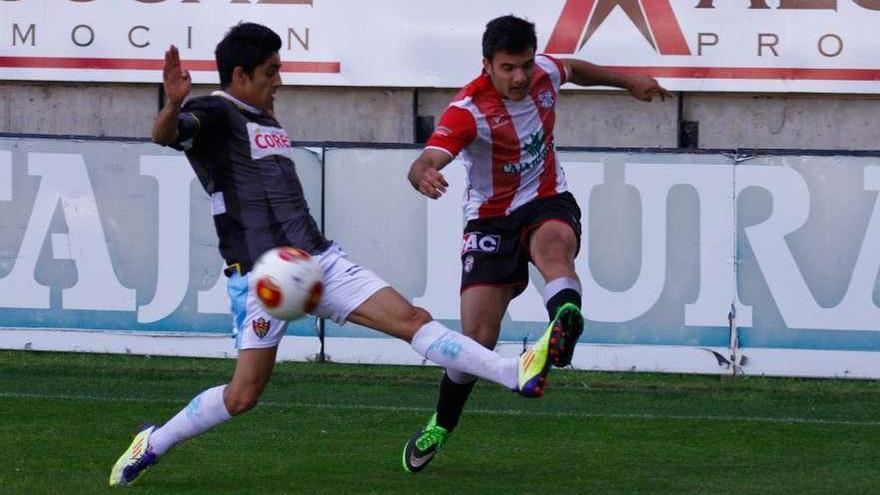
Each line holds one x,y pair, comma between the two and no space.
672,242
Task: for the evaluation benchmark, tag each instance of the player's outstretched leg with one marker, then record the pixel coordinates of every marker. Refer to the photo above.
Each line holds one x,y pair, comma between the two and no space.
526,375
135,460
386,310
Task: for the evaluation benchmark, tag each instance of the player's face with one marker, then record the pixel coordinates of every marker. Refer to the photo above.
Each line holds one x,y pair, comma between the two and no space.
511,73
258,89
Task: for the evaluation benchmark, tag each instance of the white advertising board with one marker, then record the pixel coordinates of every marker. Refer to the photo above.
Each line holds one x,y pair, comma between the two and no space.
829,46
703,262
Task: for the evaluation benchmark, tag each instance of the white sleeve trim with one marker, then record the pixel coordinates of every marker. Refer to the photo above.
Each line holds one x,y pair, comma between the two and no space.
441,149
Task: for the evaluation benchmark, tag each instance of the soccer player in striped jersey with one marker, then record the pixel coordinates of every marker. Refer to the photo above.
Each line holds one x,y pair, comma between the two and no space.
517,205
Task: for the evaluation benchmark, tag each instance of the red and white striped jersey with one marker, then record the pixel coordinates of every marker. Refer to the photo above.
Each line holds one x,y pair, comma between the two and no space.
507,146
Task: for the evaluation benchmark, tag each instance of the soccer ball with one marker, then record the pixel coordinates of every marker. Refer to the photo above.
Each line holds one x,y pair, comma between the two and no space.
288,282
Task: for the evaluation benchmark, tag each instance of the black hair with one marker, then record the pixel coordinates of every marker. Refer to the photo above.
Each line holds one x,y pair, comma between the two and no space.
508,34
245,45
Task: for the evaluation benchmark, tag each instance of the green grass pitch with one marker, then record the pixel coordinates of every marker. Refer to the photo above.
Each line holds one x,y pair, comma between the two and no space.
331,428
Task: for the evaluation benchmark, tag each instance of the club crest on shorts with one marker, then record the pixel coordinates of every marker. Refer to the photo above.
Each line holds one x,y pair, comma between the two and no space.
260,326
468,263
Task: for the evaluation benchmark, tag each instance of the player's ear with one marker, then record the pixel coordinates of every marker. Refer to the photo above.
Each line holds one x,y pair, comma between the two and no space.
239,75
487,65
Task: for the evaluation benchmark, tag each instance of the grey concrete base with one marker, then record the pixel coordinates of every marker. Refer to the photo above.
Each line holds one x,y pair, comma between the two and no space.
368,115
76,108
833,122
385,115
615,119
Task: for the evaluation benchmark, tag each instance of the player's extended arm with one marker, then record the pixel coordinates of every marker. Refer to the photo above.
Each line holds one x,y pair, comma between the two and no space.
640,86
424,173
177,84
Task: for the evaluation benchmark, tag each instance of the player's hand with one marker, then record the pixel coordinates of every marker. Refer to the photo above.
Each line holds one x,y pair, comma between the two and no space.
431,183
176,80
645,88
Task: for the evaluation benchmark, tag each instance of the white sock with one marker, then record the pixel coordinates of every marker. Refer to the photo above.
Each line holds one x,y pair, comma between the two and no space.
204,412
453,350
558,285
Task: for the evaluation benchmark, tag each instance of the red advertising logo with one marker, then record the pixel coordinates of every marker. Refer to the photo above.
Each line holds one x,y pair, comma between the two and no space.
654,19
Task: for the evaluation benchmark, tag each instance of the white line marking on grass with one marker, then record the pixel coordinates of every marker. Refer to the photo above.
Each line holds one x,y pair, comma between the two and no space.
488,412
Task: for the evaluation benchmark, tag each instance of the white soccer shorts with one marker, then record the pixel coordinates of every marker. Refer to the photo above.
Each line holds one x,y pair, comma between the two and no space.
346,286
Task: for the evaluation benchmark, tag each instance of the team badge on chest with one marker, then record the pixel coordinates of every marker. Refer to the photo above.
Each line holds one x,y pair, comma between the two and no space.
546,99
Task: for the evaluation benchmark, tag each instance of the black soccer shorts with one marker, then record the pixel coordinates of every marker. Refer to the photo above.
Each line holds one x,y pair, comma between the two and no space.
495,250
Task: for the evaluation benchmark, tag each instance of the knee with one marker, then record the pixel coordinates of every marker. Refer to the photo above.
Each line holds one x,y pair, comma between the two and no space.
560,245
555,250
418,317
485,333
409,323
241,400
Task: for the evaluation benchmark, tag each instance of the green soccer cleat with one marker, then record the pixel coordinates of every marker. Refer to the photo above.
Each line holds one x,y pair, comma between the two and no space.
135,460
534,364
423,445
571,326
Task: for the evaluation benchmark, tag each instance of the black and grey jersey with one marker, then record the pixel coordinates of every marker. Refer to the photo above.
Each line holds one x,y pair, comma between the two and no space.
244,161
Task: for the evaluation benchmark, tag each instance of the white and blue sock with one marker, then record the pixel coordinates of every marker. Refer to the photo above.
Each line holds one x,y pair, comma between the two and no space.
455,351
204,412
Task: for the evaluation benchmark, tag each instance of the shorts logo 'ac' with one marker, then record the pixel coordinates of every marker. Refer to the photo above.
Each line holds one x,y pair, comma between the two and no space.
579,16
476,241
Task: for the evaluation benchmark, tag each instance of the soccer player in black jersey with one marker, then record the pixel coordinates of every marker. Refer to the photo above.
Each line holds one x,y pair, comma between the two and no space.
243,159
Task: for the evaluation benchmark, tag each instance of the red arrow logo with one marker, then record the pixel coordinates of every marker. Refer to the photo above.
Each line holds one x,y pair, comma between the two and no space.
654,18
